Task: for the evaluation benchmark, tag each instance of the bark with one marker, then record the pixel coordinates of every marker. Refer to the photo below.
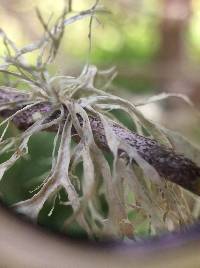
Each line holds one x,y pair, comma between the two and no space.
173,26
173,54
170,165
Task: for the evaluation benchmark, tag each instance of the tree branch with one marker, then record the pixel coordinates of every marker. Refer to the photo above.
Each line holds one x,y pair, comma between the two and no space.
170,165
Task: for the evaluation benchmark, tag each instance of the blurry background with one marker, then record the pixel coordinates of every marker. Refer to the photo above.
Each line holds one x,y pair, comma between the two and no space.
155,46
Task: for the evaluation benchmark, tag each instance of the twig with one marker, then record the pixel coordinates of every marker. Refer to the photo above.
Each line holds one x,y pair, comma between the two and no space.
170,165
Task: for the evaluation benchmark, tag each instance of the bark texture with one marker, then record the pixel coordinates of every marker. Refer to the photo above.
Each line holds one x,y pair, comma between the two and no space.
170,165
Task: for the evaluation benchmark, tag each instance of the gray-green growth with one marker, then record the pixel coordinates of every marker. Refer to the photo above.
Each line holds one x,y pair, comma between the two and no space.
142,166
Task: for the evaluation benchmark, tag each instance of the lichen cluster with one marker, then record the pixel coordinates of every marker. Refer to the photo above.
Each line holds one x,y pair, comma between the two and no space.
128,182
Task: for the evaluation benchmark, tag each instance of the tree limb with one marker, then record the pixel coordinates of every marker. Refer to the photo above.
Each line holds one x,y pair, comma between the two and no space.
170,165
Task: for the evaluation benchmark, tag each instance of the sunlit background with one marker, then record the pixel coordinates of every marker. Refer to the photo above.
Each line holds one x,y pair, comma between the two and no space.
155,47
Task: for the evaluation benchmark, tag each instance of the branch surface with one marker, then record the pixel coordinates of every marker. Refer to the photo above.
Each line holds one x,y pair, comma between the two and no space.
170,165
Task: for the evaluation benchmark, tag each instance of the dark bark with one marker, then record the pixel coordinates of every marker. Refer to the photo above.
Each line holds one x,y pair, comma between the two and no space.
170,165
